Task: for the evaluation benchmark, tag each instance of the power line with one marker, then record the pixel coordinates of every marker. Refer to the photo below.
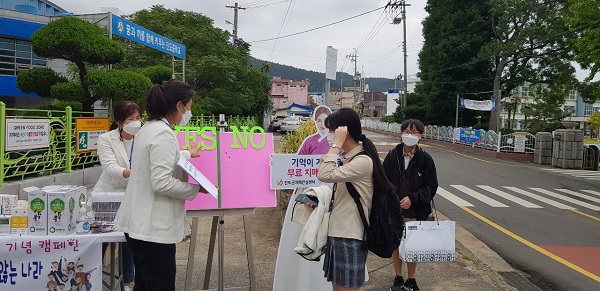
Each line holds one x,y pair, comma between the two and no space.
316,28
281,28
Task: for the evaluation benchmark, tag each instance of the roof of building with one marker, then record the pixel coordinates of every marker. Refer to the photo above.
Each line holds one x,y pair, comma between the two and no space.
296,108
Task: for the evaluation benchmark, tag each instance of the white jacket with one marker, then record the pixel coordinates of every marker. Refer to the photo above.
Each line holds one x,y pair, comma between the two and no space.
114,160
314,235
154,206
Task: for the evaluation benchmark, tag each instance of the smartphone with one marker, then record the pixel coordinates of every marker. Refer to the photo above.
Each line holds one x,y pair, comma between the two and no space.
307,199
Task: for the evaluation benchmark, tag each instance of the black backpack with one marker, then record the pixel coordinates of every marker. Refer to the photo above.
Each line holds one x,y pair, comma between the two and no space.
385,226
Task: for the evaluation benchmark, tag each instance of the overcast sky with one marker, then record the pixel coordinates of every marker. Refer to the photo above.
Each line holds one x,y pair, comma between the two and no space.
379,42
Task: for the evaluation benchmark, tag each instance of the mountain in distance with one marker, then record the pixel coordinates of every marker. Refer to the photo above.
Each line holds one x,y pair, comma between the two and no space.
317,79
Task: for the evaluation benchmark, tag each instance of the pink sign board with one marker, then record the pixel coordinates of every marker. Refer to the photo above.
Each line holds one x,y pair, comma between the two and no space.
241,159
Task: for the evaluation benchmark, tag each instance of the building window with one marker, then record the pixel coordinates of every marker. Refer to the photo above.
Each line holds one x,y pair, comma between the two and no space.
16,55
525,91
572,95
278,85
588,109
569,109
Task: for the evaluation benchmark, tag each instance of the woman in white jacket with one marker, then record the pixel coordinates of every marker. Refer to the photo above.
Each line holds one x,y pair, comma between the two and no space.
114,150
153,211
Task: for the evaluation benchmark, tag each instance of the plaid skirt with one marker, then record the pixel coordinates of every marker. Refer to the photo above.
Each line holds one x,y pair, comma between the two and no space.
345,261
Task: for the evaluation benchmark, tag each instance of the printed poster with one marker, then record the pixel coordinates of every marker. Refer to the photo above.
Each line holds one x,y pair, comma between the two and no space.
51,263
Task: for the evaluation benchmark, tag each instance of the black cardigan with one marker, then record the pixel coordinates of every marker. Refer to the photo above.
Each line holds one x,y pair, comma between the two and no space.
423,178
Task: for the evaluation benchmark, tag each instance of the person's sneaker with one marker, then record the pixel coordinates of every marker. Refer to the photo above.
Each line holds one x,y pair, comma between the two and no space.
398,283
410,285
127,288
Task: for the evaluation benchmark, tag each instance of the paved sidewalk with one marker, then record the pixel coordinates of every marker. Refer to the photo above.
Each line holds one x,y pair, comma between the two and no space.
476,268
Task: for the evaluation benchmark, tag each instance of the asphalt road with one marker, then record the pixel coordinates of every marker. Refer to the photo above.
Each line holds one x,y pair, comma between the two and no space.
543,221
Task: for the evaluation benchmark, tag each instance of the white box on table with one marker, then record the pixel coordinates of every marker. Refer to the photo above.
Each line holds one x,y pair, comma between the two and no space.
63,208
4,224
106,204
8,202
37,212
18,220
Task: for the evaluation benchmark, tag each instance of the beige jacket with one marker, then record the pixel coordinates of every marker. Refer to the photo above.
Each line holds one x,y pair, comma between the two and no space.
345,220
154,206
114,160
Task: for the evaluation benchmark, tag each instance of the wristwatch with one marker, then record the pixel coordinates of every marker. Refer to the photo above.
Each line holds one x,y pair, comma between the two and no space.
335,146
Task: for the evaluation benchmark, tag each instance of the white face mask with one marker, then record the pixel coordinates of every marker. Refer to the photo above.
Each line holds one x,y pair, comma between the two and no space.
132,127
185,118
409,139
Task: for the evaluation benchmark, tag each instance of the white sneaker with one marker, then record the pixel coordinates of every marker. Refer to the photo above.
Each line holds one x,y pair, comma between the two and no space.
127,288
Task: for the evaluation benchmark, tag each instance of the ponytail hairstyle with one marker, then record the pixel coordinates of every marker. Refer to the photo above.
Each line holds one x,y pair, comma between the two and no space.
349,118
122,111
163,99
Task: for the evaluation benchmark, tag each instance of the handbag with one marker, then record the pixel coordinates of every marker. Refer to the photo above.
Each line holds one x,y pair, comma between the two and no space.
428,242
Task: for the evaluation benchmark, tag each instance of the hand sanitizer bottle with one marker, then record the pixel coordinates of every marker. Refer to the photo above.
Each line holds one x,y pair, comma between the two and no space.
83,223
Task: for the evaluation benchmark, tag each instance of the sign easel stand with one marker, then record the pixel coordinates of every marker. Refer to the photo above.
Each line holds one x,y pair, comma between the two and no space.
218,228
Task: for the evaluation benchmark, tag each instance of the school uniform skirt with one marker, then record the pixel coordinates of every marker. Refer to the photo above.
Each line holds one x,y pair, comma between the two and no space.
345,261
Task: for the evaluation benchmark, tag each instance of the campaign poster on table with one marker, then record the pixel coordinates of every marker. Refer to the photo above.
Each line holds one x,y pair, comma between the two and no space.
50,263
238,162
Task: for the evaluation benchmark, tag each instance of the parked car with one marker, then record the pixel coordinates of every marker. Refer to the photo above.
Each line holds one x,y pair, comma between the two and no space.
276,123
290,123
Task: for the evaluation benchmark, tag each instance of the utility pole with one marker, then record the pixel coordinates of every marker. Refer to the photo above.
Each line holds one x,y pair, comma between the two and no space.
353,58
235,8
402,5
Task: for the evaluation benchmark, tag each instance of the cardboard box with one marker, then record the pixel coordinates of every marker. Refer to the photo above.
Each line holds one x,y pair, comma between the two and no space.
4,225
19,220
8,202
63,209
53,210
37,212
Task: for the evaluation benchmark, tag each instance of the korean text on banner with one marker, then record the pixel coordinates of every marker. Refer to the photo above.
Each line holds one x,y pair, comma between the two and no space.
485,105
48,263
22,134
294,171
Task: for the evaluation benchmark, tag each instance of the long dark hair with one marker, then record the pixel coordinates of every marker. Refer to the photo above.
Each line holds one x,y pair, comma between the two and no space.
163,99
349,118
122,111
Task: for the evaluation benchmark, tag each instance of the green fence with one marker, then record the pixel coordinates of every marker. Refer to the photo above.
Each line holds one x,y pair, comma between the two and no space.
60,155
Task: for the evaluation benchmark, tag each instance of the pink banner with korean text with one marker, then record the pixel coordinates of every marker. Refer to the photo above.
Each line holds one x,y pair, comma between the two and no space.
238,162
50,263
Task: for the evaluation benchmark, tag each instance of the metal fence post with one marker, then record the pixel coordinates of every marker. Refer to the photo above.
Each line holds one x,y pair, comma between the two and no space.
2,140
499,141
69,140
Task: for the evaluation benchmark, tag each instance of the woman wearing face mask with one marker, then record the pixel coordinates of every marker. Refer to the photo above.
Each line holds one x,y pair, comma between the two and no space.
153,211
114,150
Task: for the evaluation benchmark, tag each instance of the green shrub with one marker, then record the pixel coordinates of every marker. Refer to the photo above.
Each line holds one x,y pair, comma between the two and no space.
293,140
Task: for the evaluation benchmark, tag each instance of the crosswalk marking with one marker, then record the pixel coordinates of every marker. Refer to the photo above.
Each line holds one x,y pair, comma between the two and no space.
584,174
540,198
579,195
453,198
574,201
479,196
592,192
510,197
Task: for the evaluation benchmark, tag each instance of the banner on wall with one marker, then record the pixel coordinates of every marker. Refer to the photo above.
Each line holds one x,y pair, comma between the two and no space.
470,135
485,105
51,262
238,162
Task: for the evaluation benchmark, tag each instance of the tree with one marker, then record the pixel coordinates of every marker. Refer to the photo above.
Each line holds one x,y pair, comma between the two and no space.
219,71
584,21
118,85
80,42
531,45
454,32
38,81
158,74
546,109
594,121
